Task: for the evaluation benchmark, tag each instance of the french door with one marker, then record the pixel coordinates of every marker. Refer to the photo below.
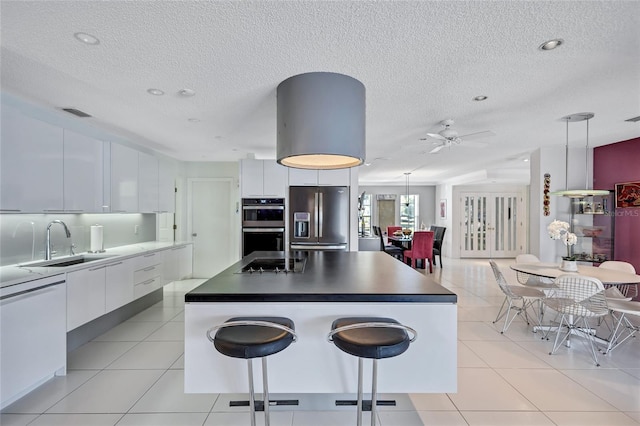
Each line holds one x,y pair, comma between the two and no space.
491,224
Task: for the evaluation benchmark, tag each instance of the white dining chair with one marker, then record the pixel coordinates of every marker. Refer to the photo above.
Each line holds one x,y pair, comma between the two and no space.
577,299
620,291
541,283
517,298
623,308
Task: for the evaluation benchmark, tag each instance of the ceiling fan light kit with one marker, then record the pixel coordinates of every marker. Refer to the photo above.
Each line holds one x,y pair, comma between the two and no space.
578,193
321,121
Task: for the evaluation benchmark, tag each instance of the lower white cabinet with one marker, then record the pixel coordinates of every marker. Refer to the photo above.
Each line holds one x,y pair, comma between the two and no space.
118,284
178,263
95,291
85,296
33,335
147,276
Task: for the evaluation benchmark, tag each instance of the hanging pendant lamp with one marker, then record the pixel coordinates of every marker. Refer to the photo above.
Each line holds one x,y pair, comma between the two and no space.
578,193
406,203
321,121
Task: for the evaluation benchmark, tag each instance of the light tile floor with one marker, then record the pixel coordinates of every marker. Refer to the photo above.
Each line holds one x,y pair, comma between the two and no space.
133,375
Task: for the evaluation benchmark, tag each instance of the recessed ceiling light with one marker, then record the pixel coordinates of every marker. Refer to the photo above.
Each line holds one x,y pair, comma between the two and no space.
480,98
87,38
186,93
551,44
155,92
367,164
194,120
526,160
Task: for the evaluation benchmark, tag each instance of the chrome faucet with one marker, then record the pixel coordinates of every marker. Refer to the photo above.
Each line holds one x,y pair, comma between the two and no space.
47,248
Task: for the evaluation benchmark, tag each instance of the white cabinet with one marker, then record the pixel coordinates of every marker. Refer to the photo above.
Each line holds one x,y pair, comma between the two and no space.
166,186
85,296
306,177
177,263
118,284
33,335
83,173
147,275
31,166
148,183
262,178
124,179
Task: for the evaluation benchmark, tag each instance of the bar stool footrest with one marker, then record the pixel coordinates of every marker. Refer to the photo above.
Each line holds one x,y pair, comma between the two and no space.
260,403
366,403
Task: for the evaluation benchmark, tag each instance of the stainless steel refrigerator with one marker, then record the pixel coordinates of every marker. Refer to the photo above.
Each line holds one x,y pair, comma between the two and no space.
319,217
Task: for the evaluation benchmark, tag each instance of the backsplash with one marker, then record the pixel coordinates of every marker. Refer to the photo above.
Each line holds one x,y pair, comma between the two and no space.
22,236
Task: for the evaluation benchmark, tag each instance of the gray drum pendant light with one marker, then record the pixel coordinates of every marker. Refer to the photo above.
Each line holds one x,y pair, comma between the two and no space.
321,121
578,193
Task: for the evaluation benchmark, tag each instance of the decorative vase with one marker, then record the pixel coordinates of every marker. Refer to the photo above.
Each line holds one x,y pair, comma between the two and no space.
569,266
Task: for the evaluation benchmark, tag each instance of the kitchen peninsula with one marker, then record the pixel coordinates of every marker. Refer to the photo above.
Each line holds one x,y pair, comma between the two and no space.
324,286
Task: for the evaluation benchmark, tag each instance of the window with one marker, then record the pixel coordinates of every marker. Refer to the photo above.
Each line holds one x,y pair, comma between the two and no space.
364,216
409,212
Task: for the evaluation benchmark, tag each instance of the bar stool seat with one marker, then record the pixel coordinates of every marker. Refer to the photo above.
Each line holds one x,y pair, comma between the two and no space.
374,338
253,337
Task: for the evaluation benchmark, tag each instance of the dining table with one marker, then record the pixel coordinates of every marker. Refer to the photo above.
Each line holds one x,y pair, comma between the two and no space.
403,241
608,277
553,271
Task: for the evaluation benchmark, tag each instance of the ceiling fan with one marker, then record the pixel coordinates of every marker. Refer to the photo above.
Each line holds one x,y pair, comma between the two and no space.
448,137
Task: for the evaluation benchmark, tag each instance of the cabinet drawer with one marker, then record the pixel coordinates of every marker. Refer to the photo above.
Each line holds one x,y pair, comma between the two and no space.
147,286
147,273
146,260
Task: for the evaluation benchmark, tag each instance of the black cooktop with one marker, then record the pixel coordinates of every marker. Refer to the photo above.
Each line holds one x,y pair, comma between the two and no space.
270,265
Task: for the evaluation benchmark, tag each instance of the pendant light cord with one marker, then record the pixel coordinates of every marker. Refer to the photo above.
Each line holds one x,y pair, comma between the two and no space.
586,161
566,160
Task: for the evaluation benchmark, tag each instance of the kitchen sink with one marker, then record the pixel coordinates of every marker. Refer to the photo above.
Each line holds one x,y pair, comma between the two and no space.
65,261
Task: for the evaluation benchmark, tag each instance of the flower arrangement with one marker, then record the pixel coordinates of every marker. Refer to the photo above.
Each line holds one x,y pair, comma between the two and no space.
559,230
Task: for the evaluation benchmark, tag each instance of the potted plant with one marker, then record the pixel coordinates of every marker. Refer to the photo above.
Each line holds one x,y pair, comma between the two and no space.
559,230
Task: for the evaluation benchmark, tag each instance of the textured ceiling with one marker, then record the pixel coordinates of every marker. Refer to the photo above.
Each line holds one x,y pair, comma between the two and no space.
421,62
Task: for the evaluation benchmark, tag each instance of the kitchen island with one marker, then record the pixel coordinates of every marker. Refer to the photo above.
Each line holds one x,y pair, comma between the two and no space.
324,286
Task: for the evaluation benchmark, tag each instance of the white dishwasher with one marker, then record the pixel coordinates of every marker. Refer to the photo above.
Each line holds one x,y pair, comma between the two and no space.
33,335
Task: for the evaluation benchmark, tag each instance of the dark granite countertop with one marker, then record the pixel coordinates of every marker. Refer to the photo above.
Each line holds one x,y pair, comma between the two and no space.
329,276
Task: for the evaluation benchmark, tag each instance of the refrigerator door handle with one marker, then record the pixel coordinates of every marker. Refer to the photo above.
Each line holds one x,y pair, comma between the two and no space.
316,221
320,212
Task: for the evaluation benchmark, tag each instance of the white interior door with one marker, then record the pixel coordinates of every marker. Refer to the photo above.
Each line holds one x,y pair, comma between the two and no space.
490,225
210,225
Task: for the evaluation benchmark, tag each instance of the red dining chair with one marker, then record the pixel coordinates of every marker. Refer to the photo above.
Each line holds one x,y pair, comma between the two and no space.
421,248
392,229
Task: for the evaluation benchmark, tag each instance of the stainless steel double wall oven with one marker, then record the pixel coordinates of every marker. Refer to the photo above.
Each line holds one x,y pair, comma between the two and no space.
263,224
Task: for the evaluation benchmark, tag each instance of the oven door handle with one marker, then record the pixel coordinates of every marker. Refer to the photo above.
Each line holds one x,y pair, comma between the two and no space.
253,230
263,207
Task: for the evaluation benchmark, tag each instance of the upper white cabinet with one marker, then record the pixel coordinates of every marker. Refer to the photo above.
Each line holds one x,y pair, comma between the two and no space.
306,177
167,186
124,179
262,178
83,173
31,165
148,183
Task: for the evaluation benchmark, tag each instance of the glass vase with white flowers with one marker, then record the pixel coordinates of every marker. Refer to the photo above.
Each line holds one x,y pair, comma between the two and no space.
559,230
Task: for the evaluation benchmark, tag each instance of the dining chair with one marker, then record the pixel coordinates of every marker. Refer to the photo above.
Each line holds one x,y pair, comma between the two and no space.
541,283
517,298
577,299
620,291
421,248
623,308
392,229
394,251
438,238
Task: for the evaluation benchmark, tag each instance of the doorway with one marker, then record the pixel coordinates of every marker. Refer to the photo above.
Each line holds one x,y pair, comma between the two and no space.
491,225
210,224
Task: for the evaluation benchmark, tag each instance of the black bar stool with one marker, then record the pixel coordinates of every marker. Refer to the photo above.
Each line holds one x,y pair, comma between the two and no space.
254,337
370,337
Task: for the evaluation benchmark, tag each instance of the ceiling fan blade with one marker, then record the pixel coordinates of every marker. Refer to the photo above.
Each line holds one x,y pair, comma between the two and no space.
436,149
473,144
436,136
478,135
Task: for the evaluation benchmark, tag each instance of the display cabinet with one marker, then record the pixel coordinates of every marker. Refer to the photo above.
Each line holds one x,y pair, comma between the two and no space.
593,220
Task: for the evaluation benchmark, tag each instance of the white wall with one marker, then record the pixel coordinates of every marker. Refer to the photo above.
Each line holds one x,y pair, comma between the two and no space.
445,192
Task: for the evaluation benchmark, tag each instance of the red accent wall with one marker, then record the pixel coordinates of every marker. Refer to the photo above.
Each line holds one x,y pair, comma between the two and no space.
618,163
